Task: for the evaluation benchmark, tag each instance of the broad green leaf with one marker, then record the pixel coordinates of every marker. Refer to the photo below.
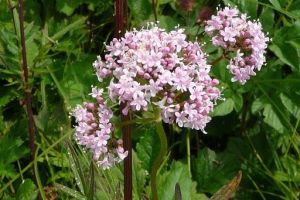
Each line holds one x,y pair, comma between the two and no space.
27,191
178,173
275,3
139,176
257,105
267,19
292,106
67,7
287,54
11,150
140,9
250,7
224,108
167,22
286,45
209,167
238,101
203,168
272,119
148,148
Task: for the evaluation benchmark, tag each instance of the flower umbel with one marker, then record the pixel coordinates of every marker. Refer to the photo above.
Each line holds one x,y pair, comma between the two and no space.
93,131
155,67
233,31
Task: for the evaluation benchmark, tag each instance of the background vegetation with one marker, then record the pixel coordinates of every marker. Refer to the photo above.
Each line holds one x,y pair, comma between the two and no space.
255,129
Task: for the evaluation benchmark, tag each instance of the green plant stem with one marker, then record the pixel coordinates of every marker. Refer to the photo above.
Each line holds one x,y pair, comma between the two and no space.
188,151
159,159
37,176
256,187
154,6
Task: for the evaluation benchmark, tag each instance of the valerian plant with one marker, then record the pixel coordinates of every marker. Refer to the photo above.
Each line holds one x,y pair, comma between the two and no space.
152,70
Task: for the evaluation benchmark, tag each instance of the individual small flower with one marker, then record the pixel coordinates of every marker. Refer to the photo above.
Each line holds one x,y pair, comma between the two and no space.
93,131
233,31
155,67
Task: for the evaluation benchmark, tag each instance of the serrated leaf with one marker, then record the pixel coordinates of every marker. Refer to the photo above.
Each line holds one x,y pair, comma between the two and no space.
27,191
140,9
167,22
139,177
148,148
286,53
178,173
11,150
210,167
292,106
272,119
285,45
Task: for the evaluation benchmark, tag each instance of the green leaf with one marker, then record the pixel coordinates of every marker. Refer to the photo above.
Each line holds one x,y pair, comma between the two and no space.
178,173
238,101
69,191
275,3
67,6
286,45
140,9
272,119
267,19
292,106
138,177
167,22
250,7
148,148
11,150
27,191
209,167
257,105
287,54
224,108
78,24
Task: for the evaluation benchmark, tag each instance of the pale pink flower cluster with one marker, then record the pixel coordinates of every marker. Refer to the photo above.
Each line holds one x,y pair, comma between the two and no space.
152,66
234,32
94,131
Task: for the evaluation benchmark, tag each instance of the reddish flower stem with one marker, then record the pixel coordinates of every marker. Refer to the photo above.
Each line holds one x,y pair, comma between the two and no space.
120,26
27,90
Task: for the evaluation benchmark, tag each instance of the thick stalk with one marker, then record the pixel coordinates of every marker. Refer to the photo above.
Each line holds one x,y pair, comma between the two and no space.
159,159
120,25
27,90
